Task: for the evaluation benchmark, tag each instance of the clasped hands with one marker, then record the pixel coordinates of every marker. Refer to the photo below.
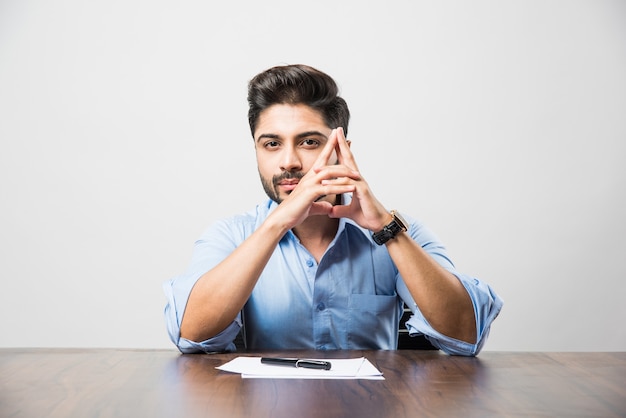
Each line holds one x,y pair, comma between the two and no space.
324,179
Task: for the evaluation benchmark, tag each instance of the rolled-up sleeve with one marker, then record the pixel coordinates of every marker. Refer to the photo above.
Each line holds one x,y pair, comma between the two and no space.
177,292
487,305
214,245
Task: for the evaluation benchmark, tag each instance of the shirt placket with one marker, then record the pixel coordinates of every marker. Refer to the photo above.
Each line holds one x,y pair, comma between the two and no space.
321,312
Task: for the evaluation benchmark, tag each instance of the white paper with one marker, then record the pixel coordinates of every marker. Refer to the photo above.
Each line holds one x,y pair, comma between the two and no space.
355,368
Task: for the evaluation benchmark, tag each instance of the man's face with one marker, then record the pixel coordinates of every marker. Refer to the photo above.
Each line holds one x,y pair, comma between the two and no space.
288,140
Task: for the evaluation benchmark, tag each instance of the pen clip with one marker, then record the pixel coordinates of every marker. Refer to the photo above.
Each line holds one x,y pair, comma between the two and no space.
313,364
295,362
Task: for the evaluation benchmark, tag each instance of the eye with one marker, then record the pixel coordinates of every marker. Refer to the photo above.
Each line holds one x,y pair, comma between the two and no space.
271,144
310,143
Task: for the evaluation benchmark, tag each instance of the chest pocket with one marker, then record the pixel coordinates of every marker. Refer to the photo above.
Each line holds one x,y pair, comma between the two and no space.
373,321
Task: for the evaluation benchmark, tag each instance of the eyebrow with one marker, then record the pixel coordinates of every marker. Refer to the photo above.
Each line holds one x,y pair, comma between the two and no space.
299,136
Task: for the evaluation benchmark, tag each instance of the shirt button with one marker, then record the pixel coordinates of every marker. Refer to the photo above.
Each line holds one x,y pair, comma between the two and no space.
321,306
309,263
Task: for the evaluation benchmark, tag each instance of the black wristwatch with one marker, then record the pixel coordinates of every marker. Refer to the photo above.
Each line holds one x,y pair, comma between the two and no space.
397,225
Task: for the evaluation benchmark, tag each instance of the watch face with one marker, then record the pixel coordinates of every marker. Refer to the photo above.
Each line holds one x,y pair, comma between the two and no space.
400,220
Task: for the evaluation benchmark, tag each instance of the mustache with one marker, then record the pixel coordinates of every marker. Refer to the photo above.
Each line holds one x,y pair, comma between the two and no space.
287,175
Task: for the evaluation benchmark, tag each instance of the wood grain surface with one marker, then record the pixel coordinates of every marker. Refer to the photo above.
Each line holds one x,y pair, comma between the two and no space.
163,383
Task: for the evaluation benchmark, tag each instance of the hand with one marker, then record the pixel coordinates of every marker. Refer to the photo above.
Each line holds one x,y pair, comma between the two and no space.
312,196
364,209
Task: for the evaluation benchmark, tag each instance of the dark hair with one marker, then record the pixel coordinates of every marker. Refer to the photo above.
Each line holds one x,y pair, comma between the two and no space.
297,84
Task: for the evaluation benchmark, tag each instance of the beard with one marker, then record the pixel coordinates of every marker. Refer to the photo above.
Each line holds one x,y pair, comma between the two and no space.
271,187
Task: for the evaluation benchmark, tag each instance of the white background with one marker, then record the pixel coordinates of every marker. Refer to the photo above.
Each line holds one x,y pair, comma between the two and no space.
123,132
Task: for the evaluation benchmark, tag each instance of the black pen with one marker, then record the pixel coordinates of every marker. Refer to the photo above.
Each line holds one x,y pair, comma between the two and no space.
297,362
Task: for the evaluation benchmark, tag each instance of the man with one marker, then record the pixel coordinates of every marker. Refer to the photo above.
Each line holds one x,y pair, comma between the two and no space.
323,264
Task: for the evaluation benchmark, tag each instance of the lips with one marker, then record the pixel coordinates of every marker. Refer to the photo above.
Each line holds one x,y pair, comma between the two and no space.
287,181
288,184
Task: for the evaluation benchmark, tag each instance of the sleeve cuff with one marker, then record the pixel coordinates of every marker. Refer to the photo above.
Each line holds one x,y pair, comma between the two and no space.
222,342
487,305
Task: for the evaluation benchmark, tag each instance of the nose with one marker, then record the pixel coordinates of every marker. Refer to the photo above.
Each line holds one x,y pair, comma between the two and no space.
290,160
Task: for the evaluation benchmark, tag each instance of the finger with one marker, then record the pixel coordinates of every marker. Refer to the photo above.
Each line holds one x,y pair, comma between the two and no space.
333,189
320,208
335,173
330,146
343,151
326,175
340,211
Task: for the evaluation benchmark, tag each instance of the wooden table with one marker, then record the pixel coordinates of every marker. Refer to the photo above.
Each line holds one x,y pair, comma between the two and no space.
163,383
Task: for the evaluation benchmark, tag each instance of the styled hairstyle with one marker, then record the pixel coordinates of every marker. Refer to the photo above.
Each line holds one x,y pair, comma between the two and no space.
297,84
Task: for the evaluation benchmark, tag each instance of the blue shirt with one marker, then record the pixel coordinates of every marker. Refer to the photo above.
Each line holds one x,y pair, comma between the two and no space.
352,299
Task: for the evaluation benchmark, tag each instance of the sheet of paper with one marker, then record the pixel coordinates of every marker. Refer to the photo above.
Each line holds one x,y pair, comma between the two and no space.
355,368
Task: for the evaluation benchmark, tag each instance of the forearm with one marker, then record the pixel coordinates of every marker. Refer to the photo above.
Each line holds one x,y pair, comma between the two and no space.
440,296
220,294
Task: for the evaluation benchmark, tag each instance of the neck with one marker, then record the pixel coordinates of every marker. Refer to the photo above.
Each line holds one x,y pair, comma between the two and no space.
316,233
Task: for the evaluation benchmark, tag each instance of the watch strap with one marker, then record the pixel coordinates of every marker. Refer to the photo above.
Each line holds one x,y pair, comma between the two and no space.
390,230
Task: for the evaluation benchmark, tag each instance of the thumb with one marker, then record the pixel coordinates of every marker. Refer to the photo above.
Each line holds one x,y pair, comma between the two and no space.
340,211
320,208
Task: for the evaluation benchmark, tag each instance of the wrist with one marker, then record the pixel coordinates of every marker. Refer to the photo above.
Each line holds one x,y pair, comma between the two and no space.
275,226
389,231
384,220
